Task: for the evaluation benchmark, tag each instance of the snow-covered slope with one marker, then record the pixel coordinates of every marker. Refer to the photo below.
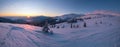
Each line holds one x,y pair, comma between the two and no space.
100,32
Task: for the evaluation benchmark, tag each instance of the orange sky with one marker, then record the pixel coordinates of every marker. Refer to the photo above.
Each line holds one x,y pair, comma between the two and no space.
13,14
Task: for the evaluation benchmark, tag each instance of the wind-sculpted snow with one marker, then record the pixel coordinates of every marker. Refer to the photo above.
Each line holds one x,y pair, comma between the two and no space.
96,34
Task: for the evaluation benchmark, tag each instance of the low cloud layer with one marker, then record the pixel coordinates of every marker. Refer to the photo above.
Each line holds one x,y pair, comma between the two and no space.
105,12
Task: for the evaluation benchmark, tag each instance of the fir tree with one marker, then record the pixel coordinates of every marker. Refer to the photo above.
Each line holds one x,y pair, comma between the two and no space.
85,24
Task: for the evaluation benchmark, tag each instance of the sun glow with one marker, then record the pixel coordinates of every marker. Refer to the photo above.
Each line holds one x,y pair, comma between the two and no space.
28,16
14,14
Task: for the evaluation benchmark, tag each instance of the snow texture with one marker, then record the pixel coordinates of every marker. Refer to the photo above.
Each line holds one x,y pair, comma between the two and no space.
100,32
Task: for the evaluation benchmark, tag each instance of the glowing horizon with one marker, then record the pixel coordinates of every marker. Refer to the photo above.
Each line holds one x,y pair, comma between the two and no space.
26,8
54,7
14,14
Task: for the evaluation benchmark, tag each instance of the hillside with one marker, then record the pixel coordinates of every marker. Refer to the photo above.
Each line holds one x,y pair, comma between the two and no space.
99,32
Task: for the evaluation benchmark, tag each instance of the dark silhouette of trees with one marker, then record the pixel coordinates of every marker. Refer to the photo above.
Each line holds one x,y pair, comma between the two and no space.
84,25
58,26
71,25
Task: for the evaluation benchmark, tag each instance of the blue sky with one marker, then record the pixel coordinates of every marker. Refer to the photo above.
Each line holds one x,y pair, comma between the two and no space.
56,7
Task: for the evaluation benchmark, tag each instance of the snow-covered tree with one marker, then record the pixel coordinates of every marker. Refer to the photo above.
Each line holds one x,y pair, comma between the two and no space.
45,27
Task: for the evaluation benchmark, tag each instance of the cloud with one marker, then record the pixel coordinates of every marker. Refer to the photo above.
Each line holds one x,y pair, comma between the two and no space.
105,12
